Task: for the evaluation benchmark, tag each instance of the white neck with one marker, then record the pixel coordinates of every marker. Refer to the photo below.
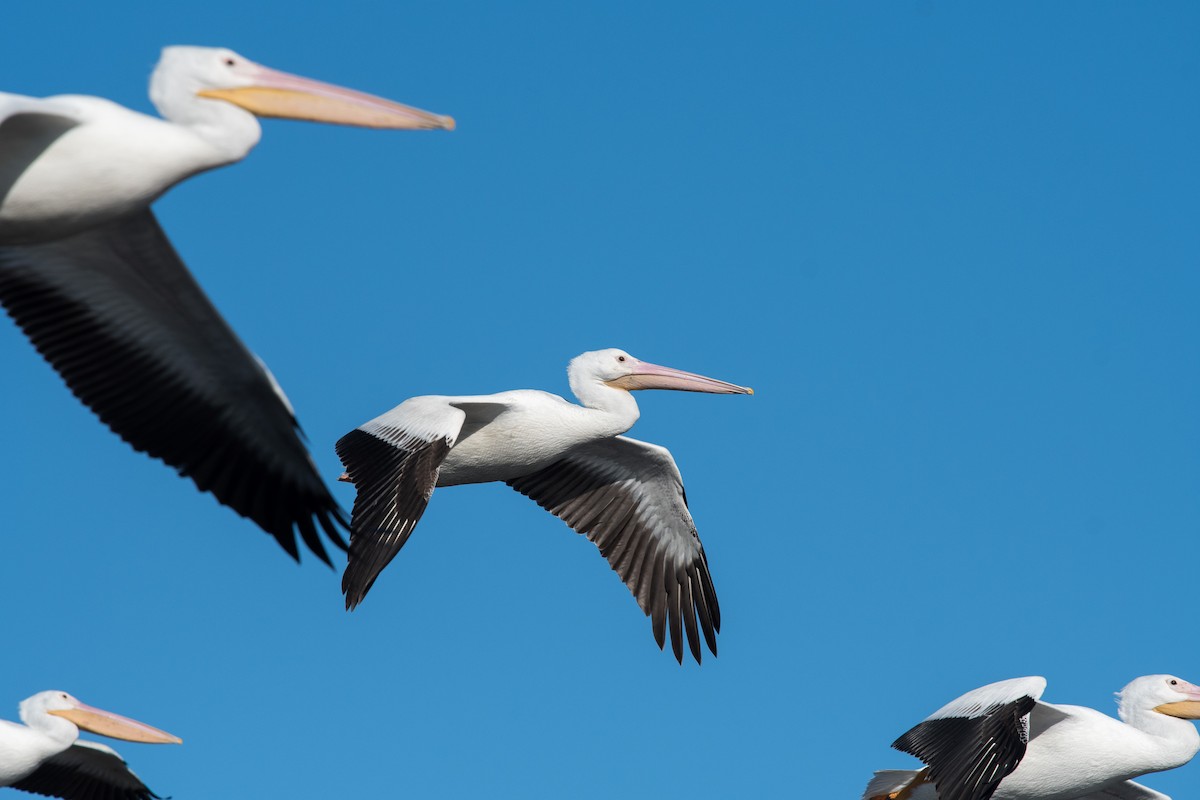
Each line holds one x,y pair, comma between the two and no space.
58,730
1177,739
612,411
230,131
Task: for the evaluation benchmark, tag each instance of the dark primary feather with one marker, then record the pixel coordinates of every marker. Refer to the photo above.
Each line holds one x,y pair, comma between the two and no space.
394,480
86,771
627,497
969,756
118,315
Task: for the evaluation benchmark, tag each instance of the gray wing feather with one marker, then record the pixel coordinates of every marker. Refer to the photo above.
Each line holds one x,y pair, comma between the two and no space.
627,497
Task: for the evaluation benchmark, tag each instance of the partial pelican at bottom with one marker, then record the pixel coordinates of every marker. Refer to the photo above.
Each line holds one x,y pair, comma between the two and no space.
44,756
1000,741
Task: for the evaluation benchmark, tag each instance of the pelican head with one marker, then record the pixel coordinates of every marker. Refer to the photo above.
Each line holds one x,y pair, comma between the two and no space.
619,370
1165,694
216,73
105,723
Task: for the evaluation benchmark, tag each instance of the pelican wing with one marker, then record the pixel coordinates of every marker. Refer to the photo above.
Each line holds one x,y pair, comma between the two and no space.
13,105
627,497
974,742
86,771
393,462
118,315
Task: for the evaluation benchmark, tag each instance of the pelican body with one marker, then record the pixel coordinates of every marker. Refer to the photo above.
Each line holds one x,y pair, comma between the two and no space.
44,756
90,277
71,162
1002,742
625,495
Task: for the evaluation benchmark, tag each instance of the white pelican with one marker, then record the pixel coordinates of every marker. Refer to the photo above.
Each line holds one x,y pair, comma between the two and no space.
626,496
1000,741
43,756
90,277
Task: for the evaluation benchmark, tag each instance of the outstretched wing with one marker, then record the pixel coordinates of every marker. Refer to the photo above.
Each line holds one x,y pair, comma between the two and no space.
117,314
974,742
627,497
86,771
393,462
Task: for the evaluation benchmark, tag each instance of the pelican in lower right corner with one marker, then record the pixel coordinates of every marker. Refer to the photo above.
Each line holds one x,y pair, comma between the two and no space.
45,755
1002,742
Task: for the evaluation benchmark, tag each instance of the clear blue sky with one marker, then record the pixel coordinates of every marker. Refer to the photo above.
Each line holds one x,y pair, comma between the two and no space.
954,250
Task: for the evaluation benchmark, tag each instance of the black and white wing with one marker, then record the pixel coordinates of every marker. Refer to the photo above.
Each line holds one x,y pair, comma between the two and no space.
974,742
393,462
117,314
627,497
86,771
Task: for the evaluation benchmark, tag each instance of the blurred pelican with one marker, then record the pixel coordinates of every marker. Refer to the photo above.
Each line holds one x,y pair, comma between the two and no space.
44,755
87,273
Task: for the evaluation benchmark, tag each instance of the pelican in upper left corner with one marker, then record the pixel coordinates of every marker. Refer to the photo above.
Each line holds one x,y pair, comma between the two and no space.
89,276
45,756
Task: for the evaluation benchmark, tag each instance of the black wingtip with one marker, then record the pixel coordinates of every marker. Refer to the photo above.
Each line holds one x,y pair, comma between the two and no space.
287,540
352,588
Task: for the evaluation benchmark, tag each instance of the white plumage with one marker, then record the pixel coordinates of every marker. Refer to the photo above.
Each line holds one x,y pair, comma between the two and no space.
44,755
625,495
1002,742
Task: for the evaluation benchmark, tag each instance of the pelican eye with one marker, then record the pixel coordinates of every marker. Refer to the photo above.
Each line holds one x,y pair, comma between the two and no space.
229,62
621,359
1174,682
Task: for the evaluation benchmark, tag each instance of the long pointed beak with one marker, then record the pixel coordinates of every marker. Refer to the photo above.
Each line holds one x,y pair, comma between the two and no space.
107,723
652,376
279,94
1184,709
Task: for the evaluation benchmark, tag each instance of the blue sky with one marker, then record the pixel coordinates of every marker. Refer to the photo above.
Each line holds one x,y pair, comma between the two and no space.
954,250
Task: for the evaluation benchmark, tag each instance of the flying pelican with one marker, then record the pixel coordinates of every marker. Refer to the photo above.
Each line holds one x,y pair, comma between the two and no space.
626,496
1000,741
87,273
43,756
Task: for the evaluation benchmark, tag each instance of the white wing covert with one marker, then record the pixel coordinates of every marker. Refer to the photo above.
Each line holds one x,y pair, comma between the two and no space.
14,105
393,462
